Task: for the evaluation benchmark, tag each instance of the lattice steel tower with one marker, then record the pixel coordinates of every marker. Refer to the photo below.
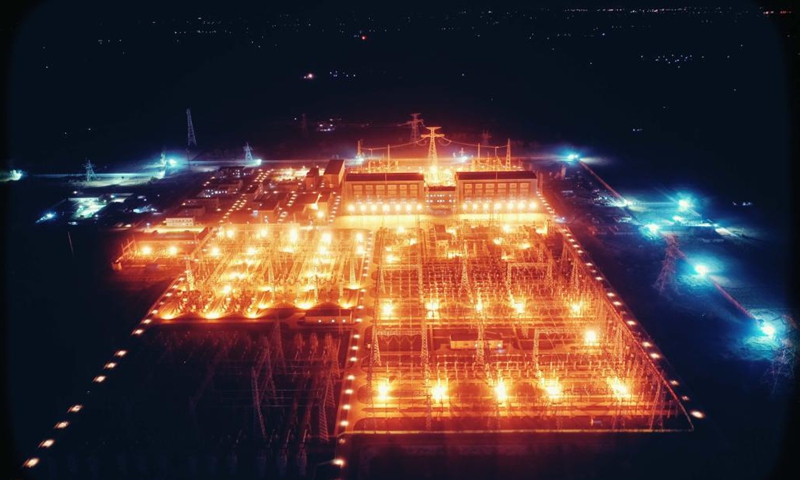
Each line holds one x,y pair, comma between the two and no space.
508,155
90,175
192,141
668,265
248,153
432,146
415,122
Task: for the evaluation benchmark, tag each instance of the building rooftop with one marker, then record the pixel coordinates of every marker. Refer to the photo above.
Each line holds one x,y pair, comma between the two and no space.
334,166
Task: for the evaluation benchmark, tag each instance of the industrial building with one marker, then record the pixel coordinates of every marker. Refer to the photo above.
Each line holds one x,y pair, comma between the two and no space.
384,188
495,185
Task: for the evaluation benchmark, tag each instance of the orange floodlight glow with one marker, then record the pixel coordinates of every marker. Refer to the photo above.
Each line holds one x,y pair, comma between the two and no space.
552,388
383,391
619,389
439,392
500,391
519,307
590,338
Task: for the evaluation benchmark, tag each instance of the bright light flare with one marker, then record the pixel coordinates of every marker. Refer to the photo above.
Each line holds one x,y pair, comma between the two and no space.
500,391
619,389
439,392
768,329
383,391
701,270
147,250
552,388
590,338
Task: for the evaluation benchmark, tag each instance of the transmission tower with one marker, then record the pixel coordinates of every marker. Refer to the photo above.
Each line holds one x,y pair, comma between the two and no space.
667,274
90,175
248,154
432,157
414,123
192,140
508,154
782,366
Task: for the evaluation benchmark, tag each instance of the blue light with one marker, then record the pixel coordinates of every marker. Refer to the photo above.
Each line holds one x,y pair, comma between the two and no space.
172,162
768,330
572,157
701,270
684,204
652,227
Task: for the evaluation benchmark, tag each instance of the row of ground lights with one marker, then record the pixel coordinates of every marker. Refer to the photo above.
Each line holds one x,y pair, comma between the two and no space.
510,206
77,408
384,207
349,391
